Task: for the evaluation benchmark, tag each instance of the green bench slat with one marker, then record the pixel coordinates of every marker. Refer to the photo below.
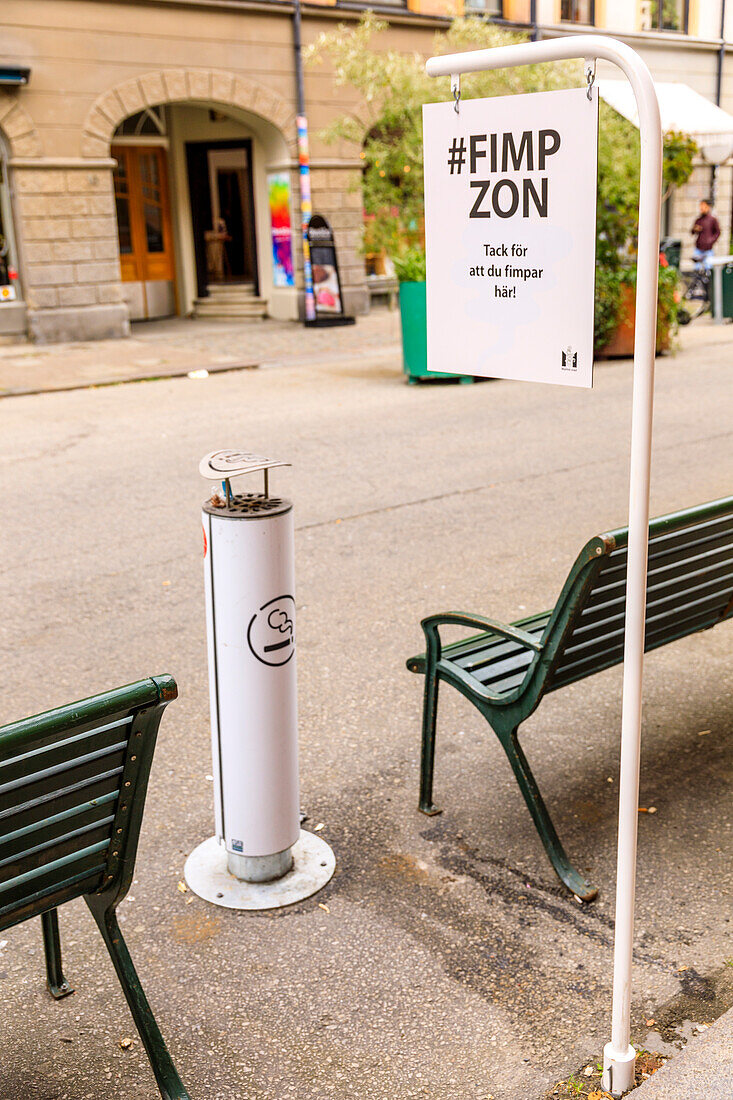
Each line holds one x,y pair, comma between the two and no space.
48,851
48,897
61,778
55,754
53,875
665,617
609,587
67,798
57,827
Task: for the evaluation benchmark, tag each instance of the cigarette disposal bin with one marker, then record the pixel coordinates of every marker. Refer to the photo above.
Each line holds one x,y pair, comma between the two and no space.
260,858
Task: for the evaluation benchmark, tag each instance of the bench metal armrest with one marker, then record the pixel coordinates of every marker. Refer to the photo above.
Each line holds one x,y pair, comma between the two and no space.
461,618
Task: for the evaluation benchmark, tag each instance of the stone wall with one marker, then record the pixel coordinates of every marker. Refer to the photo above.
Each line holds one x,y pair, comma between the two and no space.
70,252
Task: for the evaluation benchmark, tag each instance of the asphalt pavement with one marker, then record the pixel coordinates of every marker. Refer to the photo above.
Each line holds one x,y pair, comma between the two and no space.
444,959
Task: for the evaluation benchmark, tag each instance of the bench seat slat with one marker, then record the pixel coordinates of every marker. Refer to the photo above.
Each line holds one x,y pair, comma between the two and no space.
55,874
683,534
47,756
44,835
718,588
718,572
45,854
50,896
660,616
613,655
67,798
45,786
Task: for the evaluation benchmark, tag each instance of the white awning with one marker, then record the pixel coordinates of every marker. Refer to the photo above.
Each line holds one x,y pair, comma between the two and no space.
683,110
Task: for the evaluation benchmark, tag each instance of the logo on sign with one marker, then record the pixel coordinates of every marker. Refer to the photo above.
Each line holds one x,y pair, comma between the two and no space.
569,359
271,631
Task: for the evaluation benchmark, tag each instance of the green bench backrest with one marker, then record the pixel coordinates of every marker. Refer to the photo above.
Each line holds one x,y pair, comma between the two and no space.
689,588
61,777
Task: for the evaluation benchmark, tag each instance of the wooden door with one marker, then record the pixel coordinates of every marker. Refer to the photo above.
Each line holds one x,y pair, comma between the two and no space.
143,213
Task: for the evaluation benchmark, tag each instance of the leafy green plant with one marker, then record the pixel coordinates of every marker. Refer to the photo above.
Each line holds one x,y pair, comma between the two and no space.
607,304
410,266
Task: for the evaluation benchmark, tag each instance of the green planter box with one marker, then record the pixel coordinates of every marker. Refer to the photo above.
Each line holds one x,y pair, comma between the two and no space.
727,277
415,335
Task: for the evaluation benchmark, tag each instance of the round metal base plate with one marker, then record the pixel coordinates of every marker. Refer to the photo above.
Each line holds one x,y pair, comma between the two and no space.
207,874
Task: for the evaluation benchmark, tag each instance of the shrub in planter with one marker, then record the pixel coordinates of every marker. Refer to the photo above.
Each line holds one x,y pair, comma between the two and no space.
615,310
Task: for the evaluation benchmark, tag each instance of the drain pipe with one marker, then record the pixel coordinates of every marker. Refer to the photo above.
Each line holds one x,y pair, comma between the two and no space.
718,94
306,207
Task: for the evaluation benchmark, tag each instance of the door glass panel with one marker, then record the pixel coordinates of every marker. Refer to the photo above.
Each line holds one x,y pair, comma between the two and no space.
122,202
154,227
152,201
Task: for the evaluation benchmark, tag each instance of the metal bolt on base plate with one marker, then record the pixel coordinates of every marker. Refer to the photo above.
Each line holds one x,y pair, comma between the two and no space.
207,874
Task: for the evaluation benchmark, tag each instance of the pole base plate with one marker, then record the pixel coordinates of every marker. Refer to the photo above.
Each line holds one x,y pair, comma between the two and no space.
207,875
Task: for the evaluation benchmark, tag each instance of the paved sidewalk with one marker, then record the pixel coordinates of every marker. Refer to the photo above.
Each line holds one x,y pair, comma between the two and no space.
158,349
443,959
177,346
702,1071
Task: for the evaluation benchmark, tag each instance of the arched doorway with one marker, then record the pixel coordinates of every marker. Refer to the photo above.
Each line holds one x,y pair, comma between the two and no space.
193,183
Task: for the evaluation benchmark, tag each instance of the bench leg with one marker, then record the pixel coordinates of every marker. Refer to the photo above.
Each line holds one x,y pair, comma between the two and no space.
543,823
427,757
166,1075
57,984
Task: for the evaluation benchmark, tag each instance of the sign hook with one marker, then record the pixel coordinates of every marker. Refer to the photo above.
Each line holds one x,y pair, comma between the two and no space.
455,87
590,76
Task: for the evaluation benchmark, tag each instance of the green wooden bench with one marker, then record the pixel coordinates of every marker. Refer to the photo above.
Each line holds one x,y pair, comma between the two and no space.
506,669
72,790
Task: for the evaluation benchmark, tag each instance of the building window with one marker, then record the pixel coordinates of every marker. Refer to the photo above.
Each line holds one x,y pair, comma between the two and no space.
578,11
665,15
149,122
492,9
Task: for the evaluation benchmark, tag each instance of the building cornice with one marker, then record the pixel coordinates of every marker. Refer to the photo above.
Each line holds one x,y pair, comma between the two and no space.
61,162
669,41
348,12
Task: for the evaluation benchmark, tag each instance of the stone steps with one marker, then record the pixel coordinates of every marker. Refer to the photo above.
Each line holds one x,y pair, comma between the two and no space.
230,302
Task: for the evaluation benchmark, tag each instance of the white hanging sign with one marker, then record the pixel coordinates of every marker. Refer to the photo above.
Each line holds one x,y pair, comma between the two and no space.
510,221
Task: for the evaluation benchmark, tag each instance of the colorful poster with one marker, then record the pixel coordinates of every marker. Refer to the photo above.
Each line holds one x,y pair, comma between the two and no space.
278,192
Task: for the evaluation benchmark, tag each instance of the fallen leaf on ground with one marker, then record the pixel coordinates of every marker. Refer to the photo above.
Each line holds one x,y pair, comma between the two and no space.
650,1023
182,887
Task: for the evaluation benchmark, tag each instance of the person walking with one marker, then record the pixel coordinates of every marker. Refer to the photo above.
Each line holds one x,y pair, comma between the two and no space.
706,231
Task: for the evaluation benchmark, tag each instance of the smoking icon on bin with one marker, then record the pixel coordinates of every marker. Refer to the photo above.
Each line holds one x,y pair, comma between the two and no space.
271,631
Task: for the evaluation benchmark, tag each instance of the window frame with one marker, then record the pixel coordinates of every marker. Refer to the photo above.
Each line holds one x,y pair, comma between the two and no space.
656,28
591,22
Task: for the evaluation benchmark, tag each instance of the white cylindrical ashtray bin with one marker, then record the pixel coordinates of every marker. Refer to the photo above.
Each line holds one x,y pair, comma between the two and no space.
250,607
260,858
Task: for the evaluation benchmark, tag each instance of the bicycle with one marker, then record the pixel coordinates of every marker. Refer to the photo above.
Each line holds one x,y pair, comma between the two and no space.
696,294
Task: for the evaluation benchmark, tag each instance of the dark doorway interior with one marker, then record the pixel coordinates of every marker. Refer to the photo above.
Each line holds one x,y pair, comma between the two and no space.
222,213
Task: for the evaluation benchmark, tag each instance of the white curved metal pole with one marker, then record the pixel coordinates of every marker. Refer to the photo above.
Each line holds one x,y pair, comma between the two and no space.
618,1055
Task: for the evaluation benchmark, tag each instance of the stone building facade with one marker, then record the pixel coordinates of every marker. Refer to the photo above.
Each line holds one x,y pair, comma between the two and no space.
143,129
150,160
